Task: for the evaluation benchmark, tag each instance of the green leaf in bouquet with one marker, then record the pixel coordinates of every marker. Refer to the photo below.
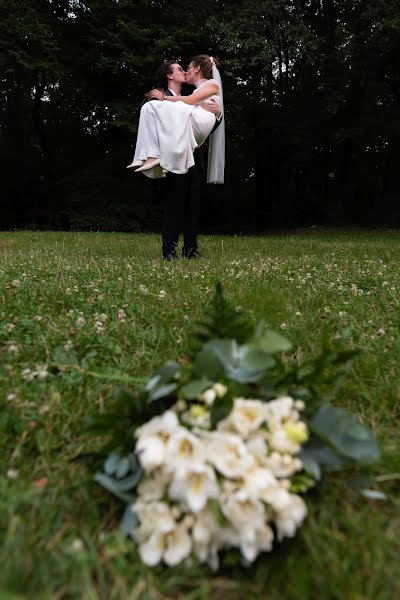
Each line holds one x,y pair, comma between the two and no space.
193,389
220,321
301,483
271,342
163,382
111,485
316,453
206,365
123,467
221,409
129,521
218,514
112,462
241,363
345,434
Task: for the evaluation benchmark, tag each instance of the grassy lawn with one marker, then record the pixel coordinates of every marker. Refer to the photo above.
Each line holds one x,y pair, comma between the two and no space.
82,312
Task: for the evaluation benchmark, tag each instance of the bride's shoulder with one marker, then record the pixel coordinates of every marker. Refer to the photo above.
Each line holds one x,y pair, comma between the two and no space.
213,81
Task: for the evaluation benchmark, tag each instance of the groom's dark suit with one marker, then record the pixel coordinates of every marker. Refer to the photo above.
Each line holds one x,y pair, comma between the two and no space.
181,195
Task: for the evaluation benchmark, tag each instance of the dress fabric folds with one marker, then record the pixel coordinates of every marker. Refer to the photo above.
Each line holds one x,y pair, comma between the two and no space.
171,131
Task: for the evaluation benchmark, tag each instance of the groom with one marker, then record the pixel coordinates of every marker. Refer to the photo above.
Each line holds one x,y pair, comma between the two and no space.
181,193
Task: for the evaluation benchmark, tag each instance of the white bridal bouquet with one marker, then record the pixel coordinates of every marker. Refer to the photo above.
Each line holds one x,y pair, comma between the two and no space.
215,457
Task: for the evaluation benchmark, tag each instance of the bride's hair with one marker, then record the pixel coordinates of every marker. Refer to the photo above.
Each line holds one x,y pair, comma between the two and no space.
205,63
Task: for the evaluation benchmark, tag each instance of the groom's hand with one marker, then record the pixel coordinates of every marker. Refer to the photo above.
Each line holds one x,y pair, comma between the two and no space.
213,106
155,94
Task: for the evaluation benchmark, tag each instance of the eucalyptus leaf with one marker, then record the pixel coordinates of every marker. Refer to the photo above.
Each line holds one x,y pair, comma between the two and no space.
207,365
162,391
110,485
129,521
271,342
344,434
122,468
111,464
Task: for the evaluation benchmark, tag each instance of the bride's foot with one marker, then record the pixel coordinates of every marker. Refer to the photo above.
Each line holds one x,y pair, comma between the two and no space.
148,164
135,164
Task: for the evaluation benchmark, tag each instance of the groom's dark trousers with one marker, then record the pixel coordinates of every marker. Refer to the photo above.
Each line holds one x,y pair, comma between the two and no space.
181,195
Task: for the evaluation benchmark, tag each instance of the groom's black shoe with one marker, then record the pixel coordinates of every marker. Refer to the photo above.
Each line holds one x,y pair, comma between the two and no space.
171,256
168,250
190,252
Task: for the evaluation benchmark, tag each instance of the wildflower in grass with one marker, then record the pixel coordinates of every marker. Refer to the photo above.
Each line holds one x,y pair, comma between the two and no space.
16,283
14,348
121,314
8,327
80,321
162,294
12,473
27,374
37,318
41,372
143,289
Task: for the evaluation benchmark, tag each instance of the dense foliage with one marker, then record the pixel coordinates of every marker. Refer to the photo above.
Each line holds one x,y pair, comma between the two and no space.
312,109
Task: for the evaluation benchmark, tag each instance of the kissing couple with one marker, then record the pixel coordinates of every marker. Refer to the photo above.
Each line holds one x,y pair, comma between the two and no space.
172,126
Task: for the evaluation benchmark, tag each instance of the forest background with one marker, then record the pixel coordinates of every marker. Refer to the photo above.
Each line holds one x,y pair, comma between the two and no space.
312,96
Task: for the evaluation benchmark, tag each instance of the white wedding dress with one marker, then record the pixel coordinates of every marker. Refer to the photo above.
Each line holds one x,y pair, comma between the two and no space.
171,131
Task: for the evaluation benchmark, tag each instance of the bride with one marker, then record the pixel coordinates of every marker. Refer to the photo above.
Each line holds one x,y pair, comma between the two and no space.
169,131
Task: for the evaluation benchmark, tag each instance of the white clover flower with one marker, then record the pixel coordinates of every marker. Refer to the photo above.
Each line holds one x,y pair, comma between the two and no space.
195,487
143,289
153,437
228,453
12,473
8,327
162,294
245,417
41,372
80,321
290,517
184,451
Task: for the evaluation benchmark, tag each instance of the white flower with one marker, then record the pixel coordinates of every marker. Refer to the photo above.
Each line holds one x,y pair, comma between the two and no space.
220,389
12,473
184,451
253,541
195,487
239,511
279,411
280,441
246,416
153,486
282,465
291,517
208,396
159,537
256,483
229,455
153,438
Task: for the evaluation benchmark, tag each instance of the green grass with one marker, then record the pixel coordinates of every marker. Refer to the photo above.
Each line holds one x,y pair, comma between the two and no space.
55,291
